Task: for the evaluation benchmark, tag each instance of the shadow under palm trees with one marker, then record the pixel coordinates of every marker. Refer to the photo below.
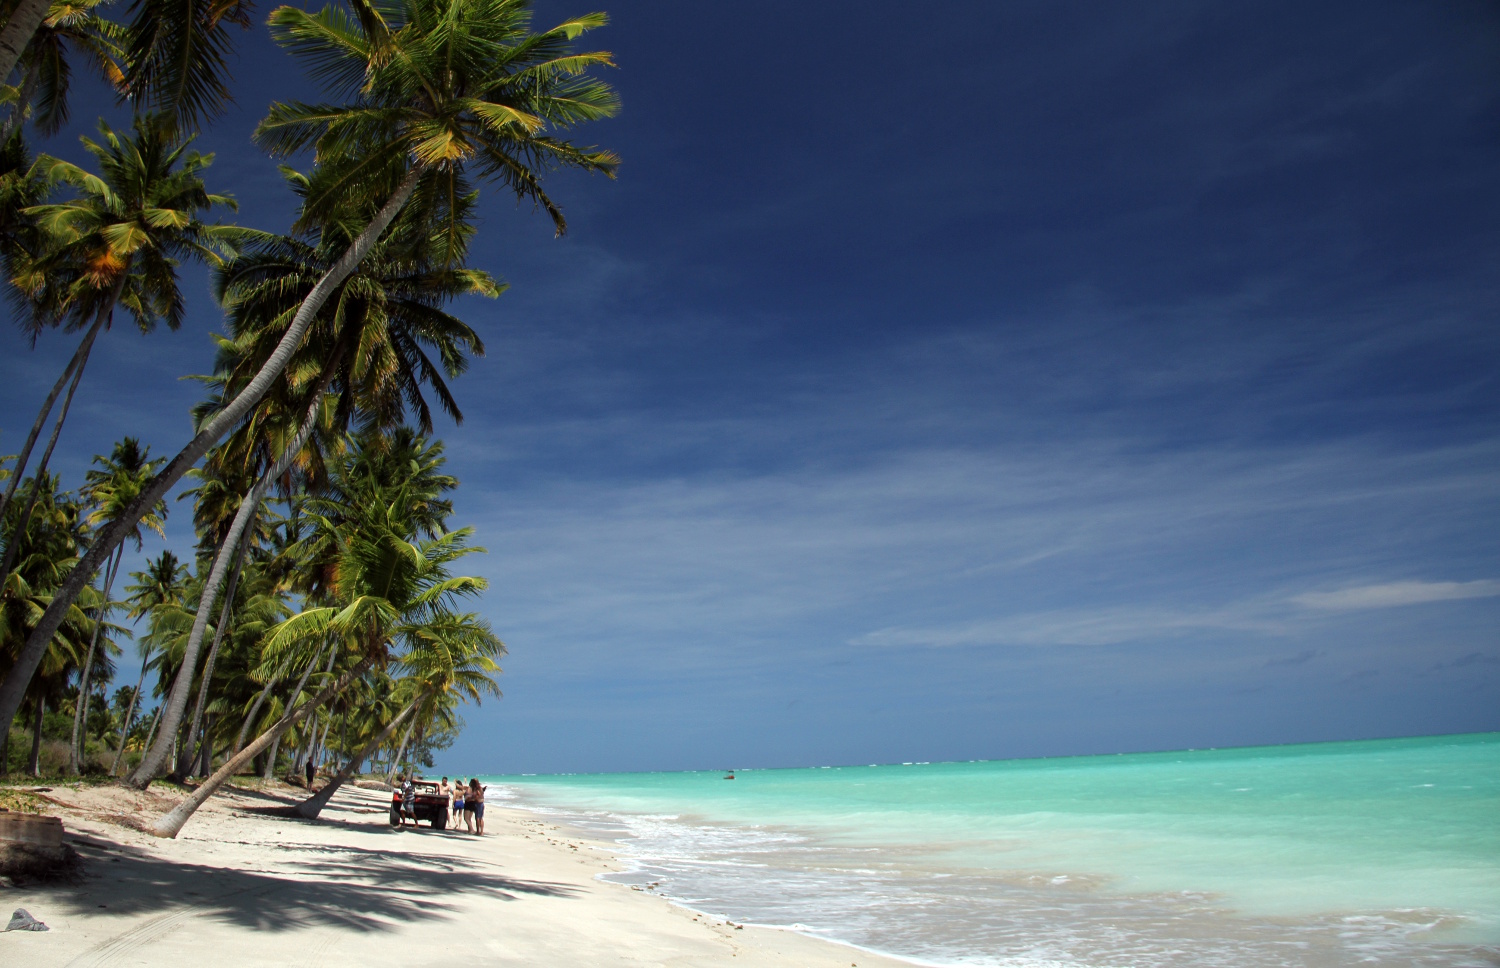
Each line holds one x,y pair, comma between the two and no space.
315,885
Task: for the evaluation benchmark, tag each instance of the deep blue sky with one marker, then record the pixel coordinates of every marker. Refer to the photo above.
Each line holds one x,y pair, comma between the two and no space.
966,381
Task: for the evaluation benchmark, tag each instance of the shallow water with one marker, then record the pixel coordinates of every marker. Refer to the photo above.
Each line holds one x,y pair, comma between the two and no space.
1370,853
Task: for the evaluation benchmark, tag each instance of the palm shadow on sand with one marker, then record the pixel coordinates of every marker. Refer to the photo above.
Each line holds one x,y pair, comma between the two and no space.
317,885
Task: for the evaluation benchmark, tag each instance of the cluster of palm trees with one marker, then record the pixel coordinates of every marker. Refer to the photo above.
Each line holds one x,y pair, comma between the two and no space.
321,612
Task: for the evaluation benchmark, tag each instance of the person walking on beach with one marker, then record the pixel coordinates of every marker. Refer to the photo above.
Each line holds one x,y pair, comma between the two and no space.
447,792
312,771
474,806
460,811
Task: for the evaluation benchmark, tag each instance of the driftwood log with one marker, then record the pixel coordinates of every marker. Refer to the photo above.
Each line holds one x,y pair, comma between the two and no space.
31,847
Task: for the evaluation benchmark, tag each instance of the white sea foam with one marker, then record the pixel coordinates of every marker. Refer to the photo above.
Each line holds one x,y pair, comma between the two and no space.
1054,879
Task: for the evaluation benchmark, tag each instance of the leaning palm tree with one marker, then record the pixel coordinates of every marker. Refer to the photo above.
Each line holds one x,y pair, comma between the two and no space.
111,488
388,588
118,242
452,656
372,348
431,89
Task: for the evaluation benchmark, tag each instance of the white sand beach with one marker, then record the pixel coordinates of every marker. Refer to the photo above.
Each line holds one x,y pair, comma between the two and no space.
244,887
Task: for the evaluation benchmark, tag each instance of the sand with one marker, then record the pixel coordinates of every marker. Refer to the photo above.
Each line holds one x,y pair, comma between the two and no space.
242,886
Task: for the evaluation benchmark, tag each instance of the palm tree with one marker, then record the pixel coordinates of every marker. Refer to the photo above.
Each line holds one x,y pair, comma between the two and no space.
388,588
111,488
177,52
432,87
260,604
455,656
48,546
174,57
163,584
119,242
71,26
370,347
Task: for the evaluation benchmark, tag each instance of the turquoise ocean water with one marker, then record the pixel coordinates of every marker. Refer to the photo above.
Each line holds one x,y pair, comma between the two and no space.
1383,852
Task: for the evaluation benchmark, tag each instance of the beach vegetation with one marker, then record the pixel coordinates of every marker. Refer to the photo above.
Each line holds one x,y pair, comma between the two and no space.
429,94
322,618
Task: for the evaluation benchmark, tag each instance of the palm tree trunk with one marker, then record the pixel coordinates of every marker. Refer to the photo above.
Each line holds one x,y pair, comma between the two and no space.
34,765
321,747
23,24
155,724
204,761
80,709
305,750
213,654
172,821
36,481
177,699
270,768
239,742
130,715
396,760
313,805
19,678
79,355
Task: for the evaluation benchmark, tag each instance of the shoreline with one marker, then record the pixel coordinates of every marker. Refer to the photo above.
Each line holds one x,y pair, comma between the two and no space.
253,888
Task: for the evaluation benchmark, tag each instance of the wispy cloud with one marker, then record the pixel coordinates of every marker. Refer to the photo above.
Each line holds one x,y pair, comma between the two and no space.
1109,626
1391,594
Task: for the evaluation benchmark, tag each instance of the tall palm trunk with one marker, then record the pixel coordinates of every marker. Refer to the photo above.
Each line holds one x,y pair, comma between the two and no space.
130,715
204,760
313,805
172,821
34,765
269,770
396,760
21,673
25,20
239,741
177,699
14,544
79,355
195,733
80,710
320,748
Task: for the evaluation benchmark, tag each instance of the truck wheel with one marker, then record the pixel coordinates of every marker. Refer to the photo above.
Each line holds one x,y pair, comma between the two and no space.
440,822
395,817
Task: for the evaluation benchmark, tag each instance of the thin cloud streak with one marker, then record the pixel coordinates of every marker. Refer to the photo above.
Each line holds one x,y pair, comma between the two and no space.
1396,593
1085,627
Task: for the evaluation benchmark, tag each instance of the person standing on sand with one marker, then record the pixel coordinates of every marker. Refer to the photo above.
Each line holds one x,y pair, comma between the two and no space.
476,799
459,807
312,771
408,799
447,792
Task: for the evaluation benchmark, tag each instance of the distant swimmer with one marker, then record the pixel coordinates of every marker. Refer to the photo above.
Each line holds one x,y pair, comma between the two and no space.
730,776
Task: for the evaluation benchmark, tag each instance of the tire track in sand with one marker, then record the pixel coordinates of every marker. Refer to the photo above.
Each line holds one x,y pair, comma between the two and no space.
111,950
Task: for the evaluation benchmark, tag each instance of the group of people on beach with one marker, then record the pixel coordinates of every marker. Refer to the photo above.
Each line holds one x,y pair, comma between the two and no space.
468,801
463,801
